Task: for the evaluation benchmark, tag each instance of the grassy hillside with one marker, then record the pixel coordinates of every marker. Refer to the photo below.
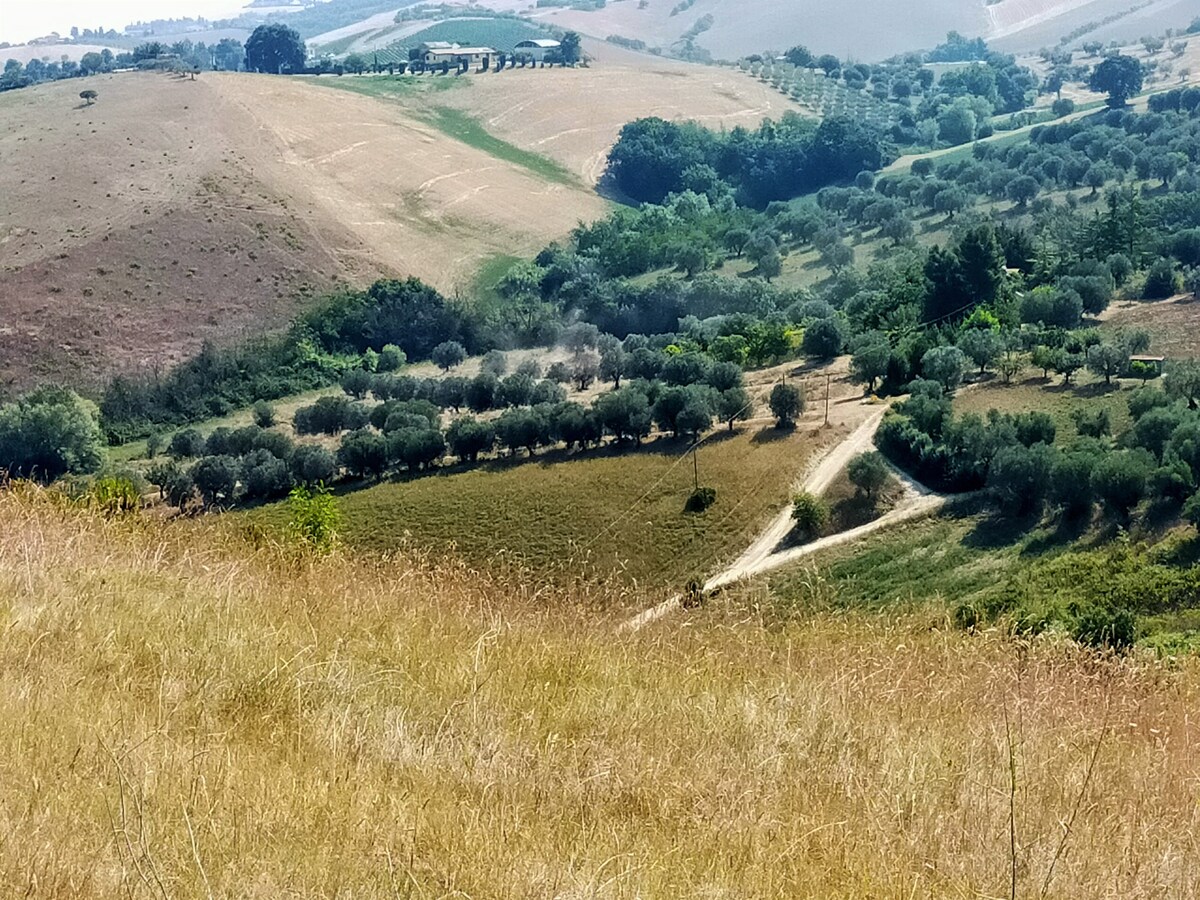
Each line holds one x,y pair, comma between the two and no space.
596,516
188,715
216,209
133,230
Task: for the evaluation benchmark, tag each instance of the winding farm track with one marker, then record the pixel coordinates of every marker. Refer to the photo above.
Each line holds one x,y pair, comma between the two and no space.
764,554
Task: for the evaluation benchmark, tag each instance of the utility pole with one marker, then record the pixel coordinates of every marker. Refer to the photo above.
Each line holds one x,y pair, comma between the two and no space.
695,470
828,377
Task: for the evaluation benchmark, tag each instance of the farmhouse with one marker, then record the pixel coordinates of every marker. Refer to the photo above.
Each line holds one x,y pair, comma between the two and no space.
536,48
435,53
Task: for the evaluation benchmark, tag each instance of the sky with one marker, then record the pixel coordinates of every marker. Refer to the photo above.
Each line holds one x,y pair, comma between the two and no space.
21,20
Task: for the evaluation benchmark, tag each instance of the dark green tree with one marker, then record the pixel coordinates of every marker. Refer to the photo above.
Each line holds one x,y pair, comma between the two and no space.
274,49
47,433
868,472
216,479
786,403
1118,76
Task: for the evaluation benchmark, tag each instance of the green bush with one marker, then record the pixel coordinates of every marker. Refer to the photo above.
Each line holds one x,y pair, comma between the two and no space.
810,514
315,519
48,433
264,414
701,499
114,496
1105,627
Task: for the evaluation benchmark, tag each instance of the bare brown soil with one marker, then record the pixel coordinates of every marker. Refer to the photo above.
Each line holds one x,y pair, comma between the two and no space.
135,229
1174,324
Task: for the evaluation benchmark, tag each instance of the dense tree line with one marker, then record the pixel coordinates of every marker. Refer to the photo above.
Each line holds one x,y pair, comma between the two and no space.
226,54
407,318
403,430
654,158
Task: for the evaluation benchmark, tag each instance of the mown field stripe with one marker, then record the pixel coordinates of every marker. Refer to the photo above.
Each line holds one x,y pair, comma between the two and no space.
454,123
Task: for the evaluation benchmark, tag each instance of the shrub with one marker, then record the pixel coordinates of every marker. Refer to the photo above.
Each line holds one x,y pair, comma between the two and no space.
1105,627
154,444
264,414
787,404
114,496
810,515
1144,399
701,499
1095,423
314,519
391,358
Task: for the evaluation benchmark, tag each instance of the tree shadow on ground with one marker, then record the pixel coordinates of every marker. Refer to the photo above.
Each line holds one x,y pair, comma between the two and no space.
1067,530
771,434
994,531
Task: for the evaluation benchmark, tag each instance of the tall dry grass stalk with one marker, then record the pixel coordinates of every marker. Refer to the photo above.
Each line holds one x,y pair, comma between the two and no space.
184,715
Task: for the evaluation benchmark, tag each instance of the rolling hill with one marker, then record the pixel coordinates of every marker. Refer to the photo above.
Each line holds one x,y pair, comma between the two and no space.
175,211
865,29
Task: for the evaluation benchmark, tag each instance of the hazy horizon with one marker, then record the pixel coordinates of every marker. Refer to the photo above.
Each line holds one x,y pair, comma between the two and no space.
23,20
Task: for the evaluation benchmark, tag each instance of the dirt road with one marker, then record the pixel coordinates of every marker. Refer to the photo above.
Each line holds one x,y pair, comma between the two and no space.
764,556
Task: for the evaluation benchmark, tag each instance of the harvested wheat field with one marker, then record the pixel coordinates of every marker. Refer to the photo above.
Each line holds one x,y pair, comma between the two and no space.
575,115
191,715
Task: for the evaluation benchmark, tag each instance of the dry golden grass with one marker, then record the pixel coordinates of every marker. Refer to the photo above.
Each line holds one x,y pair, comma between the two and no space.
186,714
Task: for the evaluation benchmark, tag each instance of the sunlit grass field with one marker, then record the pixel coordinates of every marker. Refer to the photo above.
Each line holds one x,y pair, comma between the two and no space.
190,714
607,516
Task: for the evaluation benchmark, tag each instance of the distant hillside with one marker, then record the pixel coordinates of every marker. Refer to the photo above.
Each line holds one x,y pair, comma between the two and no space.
176,211
867,30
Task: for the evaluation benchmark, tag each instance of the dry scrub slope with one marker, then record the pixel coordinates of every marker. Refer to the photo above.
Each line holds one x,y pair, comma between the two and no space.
186,716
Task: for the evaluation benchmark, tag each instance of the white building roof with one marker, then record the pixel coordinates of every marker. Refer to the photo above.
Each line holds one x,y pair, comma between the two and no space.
543,43
463,51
